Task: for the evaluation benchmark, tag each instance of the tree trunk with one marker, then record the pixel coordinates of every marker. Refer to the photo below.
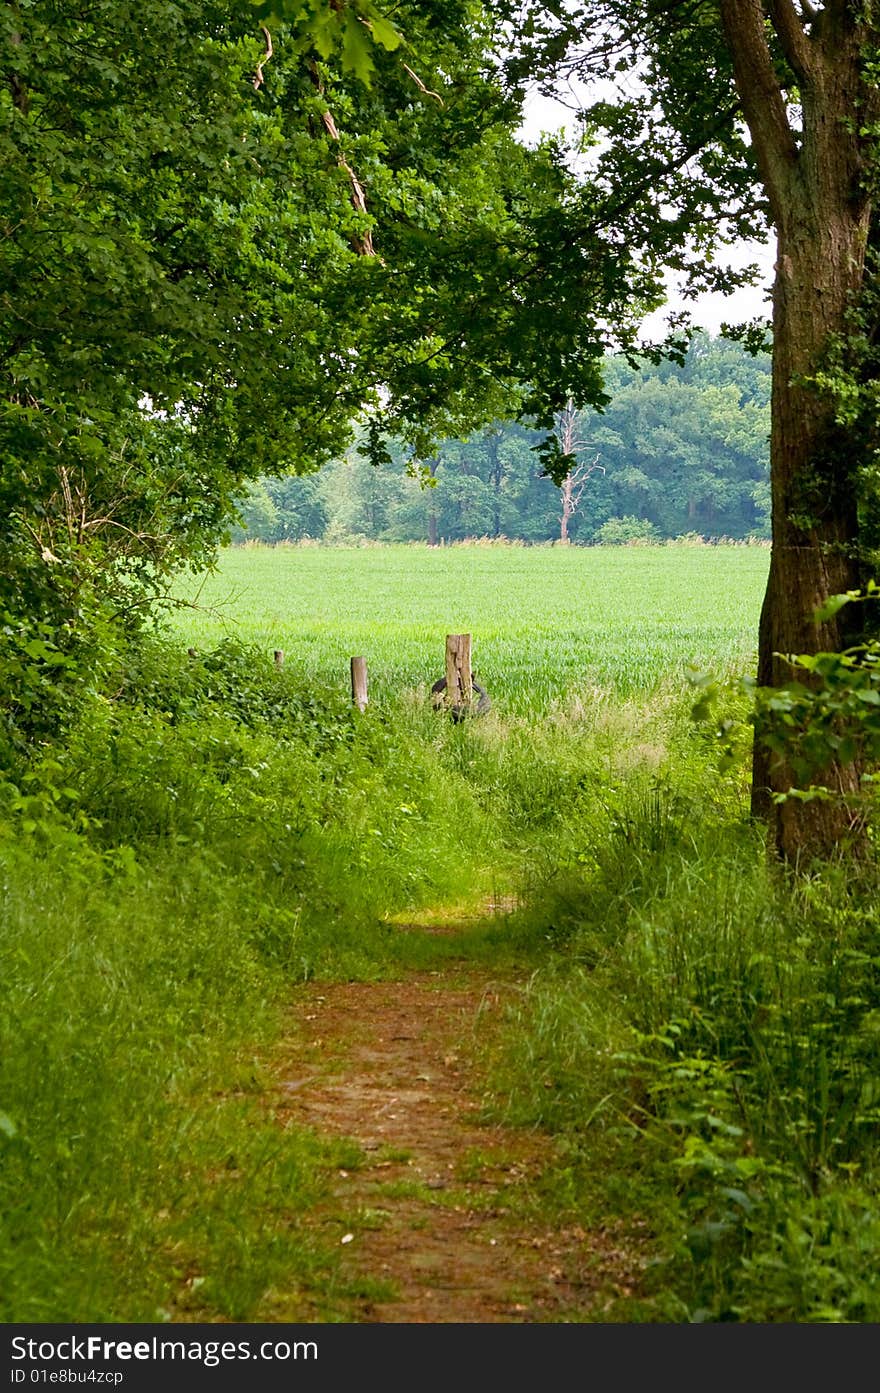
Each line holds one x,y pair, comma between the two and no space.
432,509
566,429
496,474
812,169
815,521
567,510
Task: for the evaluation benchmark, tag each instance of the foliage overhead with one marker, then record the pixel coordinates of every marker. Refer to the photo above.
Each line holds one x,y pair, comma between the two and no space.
661,128
227,243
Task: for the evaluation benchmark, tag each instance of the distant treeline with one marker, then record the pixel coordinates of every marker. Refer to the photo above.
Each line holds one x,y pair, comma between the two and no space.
680,449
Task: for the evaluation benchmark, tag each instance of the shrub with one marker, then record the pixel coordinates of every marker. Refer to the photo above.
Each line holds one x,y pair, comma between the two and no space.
623,531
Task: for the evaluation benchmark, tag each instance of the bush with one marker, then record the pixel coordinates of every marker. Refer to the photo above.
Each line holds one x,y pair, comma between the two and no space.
624,531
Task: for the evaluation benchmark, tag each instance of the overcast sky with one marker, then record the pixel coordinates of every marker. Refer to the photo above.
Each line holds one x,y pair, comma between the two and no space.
711,311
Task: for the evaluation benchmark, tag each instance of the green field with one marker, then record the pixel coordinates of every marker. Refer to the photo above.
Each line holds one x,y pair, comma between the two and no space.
544,620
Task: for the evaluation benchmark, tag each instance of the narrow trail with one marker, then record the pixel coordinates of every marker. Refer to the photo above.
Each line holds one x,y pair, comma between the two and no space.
444,1215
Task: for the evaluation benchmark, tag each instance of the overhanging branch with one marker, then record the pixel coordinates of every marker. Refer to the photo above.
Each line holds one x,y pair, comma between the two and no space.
762,101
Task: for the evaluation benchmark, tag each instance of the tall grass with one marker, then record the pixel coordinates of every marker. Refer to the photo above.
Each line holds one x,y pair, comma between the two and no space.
200,842
708,1027
141,1179
214,833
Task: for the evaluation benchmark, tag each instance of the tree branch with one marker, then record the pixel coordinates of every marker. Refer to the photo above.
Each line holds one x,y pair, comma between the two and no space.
421,86
363,245
762,101
258,75
795,42
20,95
614,210
580,476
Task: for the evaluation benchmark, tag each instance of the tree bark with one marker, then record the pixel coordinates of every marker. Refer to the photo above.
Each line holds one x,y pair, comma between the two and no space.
814,184
815,520
496,474
566,429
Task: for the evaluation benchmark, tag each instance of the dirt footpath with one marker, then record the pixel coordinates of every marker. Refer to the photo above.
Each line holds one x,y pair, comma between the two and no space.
443,1215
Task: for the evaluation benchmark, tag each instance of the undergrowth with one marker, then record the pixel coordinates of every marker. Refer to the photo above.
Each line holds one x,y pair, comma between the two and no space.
202,837
704,1040
698,1030
205,833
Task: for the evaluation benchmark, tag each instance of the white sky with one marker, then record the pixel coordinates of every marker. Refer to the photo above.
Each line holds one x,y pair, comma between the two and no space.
711,311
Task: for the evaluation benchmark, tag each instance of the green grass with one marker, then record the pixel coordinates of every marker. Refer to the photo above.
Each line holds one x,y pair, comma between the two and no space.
142,1176
546,621
703,1036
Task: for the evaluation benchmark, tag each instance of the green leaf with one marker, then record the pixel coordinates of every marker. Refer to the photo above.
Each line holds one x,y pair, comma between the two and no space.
384,33
738,1197
285,11
356,49
832,605
324,36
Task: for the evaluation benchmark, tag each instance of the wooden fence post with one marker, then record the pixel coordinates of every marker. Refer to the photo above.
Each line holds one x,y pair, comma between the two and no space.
459,680
359,682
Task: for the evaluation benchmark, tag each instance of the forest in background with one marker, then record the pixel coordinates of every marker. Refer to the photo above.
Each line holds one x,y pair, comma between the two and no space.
681,448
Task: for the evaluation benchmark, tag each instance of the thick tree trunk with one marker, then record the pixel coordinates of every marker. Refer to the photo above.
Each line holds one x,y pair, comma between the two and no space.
815,523
811,159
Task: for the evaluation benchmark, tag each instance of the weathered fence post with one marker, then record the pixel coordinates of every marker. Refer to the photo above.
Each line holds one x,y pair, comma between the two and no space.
359,682
278,654
459,680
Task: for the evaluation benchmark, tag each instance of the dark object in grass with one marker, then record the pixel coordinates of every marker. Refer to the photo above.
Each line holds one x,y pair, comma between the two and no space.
458,713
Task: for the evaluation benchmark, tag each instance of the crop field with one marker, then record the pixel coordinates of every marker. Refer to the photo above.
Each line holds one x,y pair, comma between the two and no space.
545,621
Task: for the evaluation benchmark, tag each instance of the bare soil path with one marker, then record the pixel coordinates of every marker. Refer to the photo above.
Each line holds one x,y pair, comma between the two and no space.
443,1211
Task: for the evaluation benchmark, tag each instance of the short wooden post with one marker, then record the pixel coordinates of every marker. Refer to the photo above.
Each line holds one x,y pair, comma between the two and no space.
459,680
279,657
359,682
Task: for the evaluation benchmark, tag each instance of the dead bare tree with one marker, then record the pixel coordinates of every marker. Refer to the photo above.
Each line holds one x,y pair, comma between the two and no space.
571,490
